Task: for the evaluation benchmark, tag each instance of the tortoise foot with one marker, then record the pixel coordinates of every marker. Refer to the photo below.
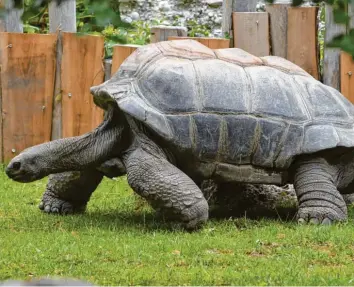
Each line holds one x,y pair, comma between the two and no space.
51,203
320,215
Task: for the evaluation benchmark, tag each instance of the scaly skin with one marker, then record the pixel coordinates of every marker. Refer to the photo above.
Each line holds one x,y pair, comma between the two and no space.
163,185
319,199
69,192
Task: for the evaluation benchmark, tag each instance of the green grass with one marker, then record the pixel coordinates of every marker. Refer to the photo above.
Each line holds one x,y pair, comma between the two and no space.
119,241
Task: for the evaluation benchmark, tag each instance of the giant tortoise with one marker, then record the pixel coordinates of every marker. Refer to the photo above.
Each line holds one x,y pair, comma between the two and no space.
178,113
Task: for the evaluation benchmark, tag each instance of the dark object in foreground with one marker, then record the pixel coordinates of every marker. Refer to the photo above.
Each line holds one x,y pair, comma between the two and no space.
179,113
46,282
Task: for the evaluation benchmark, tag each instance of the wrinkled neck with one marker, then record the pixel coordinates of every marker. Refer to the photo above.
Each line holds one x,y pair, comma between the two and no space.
82,152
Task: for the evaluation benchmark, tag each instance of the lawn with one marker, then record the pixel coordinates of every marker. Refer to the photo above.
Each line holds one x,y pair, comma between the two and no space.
120,241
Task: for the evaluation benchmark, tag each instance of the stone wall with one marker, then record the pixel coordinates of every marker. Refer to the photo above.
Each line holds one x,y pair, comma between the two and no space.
200,16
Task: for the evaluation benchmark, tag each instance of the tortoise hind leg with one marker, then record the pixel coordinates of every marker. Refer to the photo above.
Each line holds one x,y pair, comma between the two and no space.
318,197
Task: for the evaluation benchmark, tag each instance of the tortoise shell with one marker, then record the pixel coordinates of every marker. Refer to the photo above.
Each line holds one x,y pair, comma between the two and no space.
229,106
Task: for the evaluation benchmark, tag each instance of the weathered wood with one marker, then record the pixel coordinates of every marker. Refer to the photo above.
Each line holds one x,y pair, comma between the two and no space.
302,38
1,125
2,20
230,6
245,5
161,33
12,21
347,76
27,74
107,69
226,26
62,18
278,16
212,43
120,53
251,32
81,69
331,57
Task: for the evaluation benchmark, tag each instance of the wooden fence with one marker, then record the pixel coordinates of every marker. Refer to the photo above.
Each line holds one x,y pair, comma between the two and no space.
45,79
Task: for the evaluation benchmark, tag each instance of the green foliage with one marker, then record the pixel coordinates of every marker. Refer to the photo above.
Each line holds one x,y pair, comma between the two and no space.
197,30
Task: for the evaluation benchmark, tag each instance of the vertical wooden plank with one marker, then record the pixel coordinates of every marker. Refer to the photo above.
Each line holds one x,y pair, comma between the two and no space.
161,33
212,43
226,25
120,53
245,5
27,76
81,69
331,57
2,20
62,18
1,125
302,38
347,76
278,16
12,21
251,32
230,6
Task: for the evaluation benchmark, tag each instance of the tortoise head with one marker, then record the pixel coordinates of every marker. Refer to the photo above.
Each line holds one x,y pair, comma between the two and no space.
70,154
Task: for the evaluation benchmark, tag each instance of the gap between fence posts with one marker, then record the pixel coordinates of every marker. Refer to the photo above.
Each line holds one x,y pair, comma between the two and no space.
62,18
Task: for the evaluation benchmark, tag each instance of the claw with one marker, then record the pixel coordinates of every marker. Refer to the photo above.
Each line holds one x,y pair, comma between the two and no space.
41,205
301,221
314,221
327,221
55,210
47,209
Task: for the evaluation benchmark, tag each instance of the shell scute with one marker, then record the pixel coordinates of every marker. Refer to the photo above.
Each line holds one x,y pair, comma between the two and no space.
276,95
238,56
170,85
220,89
269,142
189,49
284,65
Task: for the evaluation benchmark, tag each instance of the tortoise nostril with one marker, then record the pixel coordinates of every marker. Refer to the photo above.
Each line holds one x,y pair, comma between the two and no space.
16,165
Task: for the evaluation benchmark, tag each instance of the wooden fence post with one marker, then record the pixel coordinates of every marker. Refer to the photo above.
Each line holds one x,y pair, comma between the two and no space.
251,32
62,18
230,6
12,21
120,53
331,58
278,15
302,38
161,33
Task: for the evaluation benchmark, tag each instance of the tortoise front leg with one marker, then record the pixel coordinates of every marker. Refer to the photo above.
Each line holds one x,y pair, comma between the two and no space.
166,187
318,197
69,192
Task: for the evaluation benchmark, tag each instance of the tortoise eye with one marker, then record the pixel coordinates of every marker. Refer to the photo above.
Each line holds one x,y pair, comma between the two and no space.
16,165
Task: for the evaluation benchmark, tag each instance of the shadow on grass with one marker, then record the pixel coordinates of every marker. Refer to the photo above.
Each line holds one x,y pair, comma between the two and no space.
153,221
